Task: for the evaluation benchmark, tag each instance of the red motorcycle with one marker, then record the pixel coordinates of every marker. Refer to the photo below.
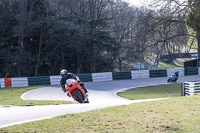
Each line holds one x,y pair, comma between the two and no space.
76,91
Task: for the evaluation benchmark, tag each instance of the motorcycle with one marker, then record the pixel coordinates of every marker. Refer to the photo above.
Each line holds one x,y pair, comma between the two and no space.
76,91
173,78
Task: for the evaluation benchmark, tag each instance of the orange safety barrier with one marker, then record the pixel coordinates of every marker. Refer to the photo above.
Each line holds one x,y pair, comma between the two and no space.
7,82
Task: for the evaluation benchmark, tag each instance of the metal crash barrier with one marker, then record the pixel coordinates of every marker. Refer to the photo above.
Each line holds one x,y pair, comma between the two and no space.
190,88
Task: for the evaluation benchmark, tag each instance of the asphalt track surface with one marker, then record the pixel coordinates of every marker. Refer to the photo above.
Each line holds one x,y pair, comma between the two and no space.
101,95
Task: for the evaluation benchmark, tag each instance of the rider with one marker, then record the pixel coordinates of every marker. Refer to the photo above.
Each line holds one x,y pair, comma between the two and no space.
177,74
65,75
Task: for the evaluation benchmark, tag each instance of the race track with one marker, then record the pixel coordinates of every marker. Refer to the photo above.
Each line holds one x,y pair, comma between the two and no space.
101,95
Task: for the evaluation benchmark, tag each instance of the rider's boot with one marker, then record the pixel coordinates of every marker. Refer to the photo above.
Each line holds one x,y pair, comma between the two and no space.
86,91
68,94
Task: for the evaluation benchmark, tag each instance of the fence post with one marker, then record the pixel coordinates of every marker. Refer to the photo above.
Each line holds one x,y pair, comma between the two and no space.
182,89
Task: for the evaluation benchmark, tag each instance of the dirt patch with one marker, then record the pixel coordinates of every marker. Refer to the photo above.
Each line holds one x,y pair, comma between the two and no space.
167,128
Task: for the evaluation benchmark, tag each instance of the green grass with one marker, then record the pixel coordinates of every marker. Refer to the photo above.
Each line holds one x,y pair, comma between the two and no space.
177,115
169,66
180,114
11,96
161,91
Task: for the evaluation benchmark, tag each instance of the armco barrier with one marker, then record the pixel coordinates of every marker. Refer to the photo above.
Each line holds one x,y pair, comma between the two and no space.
157,73
95,77
190,88
170,71
121,75
191,71
199,71
2,83
106,76
13,82
55,80
85,77
43,80
19,82
8,82
140,74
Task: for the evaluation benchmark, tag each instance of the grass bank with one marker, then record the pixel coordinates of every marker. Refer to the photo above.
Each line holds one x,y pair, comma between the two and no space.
178,114
11,96
177,63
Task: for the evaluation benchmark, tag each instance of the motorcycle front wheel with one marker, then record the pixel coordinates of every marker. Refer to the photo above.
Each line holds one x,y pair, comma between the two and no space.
78,96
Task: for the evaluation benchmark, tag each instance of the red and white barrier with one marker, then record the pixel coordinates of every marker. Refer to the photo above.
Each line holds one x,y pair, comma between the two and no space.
14,82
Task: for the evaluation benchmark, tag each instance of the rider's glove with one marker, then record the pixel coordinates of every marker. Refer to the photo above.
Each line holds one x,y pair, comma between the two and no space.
63,88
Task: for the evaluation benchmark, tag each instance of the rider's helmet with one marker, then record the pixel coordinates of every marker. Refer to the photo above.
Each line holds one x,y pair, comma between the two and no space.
63,73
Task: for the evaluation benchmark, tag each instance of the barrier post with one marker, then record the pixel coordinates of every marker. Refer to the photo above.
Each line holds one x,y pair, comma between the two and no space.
182,89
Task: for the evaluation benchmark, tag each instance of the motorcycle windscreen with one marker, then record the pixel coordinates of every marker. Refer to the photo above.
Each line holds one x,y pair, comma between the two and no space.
69,82
173,76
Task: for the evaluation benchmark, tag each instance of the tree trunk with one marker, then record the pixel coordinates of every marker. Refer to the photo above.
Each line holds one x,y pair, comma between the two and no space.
92,57
120,64
22,23
198,40
80,58
62,59
39,53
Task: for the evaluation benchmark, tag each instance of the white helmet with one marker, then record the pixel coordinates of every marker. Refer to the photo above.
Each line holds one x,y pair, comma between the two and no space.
63,73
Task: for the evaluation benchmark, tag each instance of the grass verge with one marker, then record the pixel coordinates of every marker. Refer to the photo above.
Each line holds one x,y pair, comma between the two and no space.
177,115
180,114
161,91
11,96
